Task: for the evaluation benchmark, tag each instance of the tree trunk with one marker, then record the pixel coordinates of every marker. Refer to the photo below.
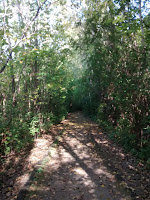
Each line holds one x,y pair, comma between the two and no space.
141,21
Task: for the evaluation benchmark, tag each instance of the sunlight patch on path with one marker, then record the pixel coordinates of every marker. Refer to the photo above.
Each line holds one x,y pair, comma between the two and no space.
36,155
74,170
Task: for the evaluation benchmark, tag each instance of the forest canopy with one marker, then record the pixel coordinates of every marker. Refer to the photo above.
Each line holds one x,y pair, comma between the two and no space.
60,56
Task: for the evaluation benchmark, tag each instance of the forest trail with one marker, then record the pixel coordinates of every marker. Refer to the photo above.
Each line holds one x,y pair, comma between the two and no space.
73,170
78,162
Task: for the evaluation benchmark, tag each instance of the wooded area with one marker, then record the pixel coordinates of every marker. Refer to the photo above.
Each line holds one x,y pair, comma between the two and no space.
62,56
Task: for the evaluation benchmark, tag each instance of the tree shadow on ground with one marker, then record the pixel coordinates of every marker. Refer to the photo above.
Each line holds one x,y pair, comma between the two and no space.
74,176
73,180
13,168
94,175
135,179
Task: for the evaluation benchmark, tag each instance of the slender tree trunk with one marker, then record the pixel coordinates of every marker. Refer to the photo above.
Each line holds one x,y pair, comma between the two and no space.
141,21
13,85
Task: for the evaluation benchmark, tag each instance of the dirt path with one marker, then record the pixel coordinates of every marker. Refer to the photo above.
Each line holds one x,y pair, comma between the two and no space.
73,170
78,162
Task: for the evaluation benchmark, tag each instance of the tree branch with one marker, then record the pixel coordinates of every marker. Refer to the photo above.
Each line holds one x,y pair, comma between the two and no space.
23,35
4,66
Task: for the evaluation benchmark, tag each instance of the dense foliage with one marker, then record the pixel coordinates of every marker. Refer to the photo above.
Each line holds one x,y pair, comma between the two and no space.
115,86
39,99
34,89
94,56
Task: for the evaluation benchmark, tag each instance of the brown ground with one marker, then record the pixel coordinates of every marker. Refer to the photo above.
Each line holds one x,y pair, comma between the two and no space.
76,161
